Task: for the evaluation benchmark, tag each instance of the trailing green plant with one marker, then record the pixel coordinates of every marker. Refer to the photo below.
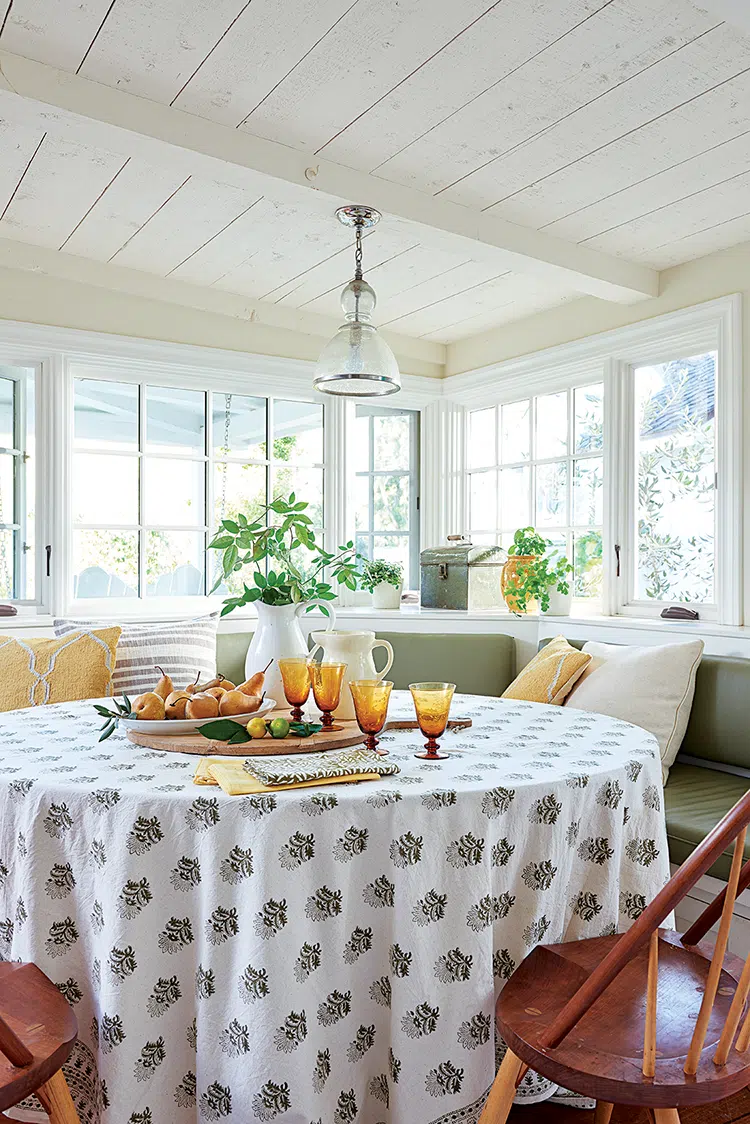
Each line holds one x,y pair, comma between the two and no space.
544,570
282,536
373,573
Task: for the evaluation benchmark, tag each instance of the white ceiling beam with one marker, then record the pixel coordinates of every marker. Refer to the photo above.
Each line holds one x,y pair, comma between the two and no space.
135,282
99,115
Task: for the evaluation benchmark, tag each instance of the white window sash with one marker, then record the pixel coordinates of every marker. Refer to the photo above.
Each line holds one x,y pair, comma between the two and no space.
611,357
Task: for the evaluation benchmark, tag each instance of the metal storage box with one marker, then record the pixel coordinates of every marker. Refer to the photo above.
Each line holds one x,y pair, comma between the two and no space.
462,576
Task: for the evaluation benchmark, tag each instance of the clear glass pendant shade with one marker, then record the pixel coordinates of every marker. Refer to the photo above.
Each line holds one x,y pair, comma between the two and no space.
357,362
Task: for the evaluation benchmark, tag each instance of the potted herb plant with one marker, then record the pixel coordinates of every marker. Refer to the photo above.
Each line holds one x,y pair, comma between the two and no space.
286,579
536,575
385,580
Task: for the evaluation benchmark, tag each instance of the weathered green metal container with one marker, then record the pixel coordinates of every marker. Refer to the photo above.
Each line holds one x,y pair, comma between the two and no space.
462,576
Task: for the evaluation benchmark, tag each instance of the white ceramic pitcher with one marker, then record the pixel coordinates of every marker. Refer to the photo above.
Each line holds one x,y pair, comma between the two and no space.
355,650
278,635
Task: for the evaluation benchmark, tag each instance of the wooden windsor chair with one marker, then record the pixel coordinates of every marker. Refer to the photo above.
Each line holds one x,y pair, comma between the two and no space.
38,1030
648,1018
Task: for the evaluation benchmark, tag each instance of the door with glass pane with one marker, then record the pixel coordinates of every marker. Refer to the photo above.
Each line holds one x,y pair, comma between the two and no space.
386,455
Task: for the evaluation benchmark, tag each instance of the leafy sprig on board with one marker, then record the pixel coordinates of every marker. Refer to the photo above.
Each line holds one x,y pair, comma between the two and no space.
234,733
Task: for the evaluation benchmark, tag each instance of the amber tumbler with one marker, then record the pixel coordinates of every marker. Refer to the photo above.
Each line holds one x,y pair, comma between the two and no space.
326,679
295,676
432,702
370,698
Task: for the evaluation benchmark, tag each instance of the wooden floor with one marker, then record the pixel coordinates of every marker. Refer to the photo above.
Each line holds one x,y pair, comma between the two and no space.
736,1110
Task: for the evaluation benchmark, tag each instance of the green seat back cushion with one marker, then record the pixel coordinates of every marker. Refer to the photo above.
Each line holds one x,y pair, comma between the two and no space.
481,665
695,799
231,649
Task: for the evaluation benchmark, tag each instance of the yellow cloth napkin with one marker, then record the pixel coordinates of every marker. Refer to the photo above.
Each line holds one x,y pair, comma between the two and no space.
230,774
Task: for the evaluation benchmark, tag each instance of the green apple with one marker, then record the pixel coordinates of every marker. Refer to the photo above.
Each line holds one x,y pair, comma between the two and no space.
279,727
256,727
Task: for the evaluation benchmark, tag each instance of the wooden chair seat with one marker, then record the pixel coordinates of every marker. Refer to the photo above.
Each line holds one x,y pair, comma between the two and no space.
36,1014
602,1055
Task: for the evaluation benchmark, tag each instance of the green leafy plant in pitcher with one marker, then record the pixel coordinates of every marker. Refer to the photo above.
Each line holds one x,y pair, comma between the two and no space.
533,569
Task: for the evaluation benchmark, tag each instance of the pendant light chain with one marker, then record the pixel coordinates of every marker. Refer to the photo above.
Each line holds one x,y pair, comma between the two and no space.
358,252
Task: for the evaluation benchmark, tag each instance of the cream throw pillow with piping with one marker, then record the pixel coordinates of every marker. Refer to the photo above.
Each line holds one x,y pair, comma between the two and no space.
550,675
652,687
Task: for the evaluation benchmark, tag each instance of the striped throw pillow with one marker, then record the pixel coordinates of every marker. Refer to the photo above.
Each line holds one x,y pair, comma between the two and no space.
183,648
551,675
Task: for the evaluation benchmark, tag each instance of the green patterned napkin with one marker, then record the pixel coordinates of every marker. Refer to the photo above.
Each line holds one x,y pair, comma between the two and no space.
318,766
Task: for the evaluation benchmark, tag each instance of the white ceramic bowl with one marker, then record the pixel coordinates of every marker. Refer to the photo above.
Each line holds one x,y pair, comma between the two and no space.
187,725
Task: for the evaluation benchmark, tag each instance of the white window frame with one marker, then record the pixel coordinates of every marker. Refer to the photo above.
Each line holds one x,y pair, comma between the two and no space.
611,357
58,353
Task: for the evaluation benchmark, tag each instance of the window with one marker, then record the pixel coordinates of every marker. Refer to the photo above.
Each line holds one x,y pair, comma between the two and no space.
386,449
17,484
156,468
675,461
539,462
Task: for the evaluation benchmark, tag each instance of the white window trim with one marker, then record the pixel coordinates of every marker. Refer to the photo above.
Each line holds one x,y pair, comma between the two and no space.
715,325
55,351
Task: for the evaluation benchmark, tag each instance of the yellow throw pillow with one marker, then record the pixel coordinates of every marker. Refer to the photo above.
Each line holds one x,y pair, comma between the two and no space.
76,666
551,675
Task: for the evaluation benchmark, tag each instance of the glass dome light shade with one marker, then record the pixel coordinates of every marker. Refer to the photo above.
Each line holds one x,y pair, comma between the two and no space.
357,362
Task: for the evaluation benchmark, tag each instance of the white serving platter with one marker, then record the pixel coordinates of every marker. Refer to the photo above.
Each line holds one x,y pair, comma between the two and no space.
187,725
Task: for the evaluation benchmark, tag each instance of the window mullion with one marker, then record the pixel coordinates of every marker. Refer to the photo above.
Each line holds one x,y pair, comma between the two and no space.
142,578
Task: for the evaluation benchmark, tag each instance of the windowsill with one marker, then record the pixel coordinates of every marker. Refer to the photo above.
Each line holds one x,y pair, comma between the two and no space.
245,621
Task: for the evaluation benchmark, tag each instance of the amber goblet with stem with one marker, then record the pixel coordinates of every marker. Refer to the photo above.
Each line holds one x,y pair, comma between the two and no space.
370,698
326,679
432,702
295,676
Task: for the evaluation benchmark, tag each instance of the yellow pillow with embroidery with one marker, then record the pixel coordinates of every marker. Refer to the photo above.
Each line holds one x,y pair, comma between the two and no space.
551,675
76,666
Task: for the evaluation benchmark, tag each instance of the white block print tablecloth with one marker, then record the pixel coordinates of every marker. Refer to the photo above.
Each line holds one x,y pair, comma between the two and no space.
327,955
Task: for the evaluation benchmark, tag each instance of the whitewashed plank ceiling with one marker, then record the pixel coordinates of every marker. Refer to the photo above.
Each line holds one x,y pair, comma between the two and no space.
618,125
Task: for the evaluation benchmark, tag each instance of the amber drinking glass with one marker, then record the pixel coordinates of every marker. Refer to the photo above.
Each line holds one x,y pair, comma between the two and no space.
432,702
295,675
371,708
326,679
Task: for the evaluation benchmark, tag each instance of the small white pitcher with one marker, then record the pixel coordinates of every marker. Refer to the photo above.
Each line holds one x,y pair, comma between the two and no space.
355,650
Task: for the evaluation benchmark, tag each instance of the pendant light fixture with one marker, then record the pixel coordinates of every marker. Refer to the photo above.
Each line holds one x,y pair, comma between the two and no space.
357,363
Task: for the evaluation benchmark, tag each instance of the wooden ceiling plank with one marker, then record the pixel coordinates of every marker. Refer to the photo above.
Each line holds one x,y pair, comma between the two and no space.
705,64
364,55
19,145
57,32
470,326
75,107
393,265
192,215
275,37
619,42
672,139
153,49
62,182
717,164
680,218
716,236
465,69
135,195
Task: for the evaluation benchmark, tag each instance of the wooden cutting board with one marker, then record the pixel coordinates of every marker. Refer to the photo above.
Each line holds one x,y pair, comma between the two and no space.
349,734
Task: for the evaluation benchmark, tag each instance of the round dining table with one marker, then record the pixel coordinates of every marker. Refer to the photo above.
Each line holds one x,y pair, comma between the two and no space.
328,954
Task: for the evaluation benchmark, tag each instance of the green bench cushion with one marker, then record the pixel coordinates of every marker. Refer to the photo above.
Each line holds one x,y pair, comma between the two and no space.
695,799
481,665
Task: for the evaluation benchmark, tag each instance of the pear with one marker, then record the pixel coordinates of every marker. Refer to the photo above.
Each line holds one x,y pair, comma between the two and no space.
201,705
149,706
254,685
165,686
227,684
175,704
193,687
217,692
237,702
